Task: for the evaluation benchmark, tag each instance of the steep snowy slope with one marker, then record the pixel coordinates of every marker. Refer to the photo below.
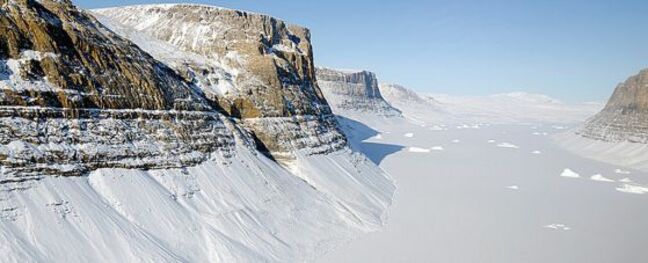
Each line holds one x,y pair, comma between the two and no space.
354,91
110,154
243,209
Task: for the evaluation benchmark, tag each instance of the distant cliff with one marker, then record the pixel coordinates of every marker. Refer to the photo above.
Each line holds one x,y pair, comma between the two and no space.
625,117
355,91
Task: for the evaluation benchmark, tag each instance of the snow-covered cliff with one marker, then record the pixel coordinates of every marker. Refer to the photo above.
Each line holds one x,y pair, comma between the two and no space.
127,144
254,67
354,91
625,117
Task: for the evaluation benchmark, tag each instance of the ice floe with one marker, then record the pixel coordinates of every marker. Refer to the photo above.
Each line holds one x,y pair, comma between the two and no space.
601,178
621,171
626,180
558,227
507,145
409,135
632,189
418,150
569,174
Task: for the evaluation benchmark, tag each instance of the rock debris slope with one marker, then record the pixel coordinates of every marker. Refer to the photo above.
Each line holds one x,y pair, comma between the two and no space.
137,143
625,117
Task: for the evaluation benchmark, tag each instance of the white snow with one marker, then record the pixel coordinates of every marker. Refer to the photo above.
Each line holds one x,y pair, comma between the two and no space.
626,180
625,154
437,148
419,150
558,227
409,135
507,145
244,209
633,189
536,152
444,200
569,173
601,178
621,171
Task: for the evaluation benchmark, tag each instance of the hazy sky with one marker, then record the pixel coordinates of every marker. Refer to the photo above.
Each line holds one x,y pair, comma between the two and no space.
573,50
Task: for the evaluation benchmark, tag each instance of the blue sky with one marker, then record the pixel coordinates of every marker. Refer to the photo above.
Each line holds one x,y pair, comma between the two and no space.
572,50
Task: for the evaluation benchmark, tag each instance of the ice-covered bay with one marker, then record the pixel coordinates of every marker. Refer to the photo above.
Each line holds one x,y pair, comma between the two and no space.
458,205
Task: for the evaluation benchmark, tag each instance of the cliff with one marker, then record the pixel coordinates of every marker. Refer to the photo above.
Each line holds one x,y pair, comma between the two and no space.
355,91
130,144
625,117
258,69
74,97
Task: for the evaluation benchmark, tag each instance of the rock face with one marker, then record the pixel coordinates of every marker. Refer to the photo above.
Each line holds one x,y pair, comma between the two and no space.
354,91
625,117
256,68
74,97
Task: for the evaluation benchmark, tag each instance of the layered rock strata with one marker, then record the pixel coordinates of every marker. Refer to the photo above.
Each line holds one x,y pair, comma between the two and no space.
625,117
258,69
354,91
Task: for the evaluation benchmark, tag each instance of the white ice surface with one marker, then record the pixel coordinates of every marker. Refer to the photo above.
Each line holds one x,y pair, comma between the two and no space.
456,206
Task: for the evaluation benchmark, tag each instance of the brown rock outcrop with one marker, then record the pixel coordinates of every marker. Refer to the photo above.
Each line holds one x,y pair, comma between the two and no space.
625,117
74,96
268,63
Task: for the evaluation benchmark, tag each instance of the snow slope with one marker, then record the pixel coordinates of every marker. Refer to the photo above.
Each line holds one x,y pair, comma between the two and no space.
628,154
246,209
